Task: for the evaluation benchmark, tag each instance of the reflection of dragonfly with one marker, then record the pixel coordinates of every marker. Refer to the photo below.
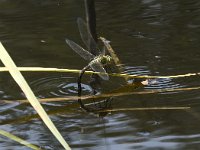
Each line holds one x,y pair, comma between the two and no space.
96,62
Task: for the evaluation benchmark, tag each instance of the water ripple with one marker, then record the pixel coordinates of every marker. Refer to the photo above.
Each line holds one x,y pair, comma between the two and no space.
57,86
153,83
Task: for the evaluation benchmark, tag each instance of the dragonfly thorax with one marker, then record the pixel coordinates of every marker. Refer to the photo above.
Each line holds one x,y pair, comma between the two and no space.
103,59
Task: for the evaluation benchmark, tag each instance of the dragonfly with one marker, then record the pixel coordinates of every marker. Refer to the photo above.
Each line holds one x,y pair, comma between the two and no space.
96,63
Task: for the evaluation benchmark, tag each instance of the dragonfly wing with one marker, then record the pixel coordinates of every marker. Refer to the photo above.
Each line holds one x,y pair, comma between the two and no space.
104,50
97,67
79,50
86,35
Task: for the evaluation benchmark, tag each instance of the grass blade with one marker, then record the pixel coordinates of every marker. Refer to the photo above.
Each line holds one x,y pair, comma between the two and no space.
41,69
19,140
144,109
105,95
15,73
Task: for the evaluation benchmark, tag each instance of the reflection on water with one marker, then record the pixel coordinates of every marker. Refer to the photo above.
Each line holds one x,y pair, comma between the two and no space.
151,37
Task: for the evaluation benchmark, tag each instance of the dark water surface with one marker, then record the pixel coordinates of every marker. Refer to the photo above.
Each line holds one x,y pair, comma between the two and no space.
151,37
